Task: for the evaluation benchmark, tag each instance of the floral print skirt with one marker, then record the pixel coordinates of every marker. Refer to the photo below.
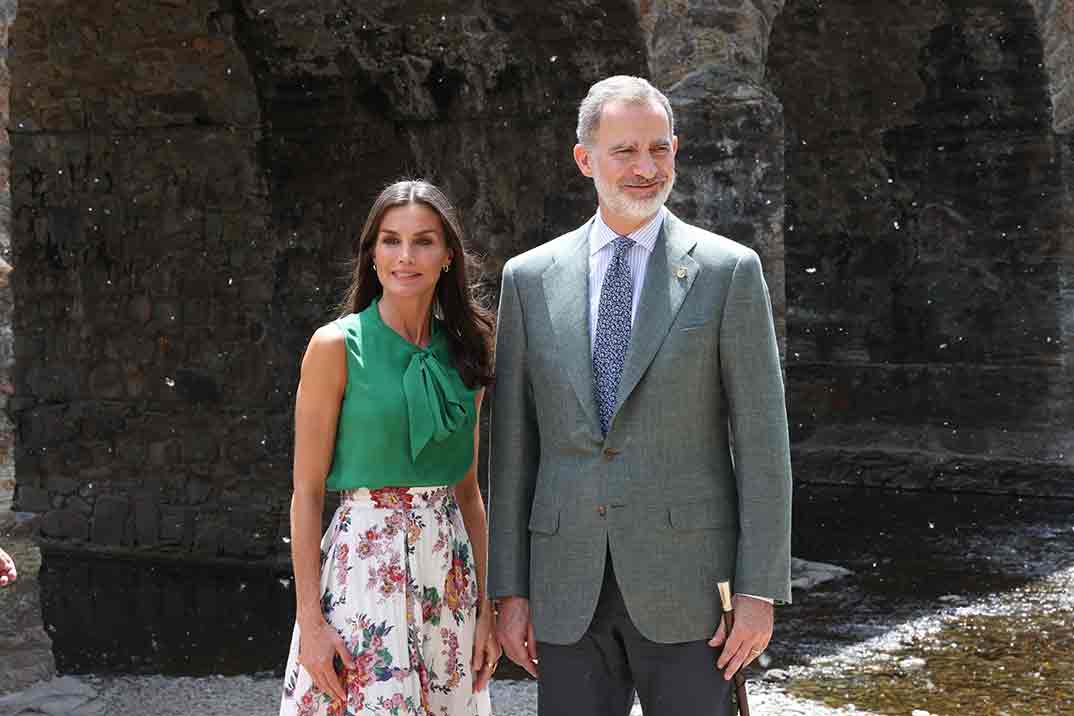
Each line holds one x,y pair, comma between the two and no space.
398,583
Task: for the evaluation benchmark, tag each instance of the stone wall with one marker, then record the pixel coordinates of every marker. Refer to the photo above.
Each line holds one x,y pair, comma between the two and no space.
710,59
188,182
1056,18
928,247
25,646
189,176
7,339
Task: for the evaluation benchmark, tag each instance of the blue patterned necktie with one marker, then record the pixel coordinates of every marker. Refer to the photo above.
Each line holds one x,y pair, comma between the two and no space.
613,331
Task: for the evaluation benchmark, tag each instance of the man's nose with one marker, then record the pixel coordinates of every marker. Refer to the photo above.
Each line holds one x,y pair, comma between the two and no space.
646,166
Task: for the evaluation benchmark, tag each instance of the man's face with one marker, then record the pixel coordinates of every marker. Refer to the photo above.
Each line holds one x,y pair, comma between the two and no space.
631,160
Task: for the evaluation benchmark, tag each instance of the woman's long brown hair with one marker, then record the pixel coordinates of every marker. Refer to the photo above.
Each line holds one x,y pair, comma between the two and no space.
468,323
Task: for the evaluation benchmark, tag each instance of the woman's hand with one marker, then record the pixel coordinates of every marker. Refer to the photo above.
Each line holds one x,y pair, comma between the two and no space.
486,647
317,648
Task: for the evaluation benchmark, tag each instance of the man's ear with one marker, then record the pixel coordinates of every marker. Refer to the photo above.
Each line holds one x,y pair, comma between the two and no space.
582,158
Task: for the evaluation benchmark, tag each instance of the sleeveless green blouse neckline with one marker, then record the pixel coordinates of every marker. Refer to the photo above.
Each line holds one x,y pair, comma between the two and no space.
435,332
436,408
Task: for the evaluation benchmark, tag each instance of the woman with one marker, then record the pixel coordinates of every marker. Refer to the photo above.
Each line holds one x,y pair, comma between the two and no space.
392,616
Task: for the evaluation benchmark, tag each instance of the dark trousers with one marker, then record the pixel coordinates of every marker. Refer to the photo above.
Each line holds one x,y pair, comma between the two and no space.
597,675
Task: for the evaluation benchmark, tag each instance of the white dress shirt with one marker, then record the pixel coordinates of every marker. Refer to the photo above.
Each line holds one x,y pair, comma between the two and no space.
601,251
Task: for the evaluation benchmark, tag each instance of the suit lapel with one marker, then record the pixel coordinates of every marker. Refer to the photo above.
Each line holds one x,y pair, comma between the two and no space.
566,290
670,273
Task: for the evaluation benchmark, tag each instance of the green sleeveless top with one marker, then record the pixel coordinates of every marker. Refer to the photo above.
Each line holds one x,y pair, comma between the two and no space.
407,419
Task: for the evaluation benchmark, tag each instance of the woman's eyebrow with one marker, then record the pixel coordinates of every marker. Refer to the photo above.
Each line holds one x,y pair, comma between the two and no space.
422,232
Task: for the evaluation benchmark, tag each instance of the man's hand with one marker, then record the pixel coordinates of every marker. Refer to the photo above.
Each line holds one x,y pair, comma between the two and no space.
749,637
515,632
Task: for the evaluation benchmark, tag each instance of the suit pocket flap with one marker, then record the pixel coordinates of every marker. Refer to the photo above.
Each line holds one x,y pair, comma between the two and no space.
694,326
545,521
700,515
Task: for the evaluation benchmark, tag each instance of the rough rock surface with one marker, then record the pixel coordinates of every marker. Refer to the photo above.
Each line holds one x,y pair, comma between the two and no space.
7,339
929,260
189,177
25,648
187,205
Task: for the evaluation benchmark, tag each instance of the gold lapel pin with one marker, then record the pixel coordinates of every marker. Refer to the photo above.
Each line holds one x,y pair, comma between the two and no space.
681,272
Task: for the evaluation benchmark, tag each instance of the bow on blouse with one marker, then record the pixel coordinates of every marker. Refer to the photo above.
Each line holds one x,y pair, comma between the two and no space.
435,407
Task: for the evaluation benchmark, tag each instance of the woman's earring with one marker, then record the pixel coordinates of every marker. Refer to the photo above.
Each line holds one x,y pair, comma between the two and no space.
447,267
374,266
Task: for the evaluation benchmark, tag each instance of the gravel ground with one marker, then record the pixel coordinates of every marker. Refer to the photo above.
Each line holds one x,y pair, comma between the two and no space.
249,696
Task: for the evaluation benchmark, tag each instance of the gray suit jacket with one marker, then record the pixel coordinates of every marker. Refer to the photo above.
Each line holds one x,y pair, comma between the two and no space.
692,483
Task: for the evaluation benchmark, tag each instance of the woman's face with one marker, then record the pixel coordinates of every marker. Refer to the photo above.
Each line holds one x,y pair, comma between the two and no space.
411,251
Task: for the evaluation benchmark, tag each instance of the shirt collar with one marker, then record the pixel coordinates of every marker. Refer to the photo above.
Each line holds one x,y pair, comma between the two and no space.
645,235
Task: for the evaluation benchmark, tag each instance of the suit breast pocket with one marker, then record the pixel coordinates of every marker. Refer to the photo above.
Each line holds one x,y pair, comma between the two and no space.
691,323
692,335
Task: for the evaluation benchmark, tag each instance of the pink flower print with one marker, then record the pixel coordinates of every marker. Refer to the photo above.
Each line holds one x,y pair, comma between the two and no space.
307,705
413,530
341,564
441,542
354,680
388,578
456,584
392,498
393,524
451,651
363,668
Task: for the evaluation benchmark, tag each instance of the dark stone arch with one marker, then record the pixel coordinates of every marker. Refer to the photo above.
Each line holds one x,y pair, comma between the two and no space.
925,269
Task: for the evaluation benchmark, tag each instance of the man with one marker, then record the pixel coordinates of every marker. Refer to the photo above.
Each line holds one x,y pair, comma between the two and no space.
639,440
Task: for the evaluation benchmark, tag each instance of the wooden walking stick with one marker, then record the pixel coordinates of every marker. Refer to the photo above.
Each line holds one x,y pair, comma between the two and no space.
728,623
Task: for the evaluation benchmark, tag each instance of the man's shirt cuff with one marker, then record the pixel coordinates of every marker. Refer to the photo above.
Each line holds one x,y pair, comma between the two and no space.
763,599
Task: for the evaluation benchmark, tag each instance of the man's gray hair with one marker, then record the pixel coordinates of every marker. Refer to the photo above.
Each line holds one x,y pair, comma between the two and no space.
620,88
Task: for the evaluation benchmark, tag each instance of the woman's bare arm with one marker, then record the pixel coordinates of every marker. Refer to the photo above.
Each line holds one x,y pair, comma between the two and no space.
468,495
320,392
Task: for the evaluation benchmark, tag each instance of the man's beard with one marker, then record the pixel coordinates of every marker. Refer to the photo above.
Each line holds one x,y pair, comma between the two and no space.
622,204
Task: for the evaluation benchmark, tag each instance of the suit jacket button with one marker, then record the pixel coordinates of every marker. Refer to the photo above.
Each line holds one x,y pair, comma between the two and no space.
602,510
